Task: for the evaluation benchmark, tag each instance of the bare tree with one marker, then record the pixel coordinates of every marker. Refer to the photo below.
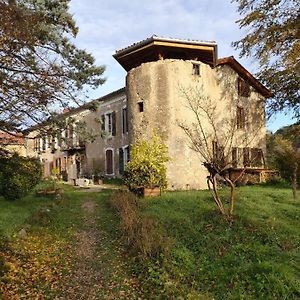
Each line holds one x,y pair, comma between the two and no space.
222,133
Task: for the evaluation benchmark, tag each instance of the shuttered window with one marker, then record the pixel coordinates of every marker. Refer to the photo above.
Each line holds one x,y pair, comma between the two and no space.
108,124
240,118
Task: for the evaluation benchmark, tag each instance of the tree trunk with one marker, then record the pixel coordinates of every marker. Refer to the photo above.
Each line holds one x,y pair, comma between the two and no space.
216,196
294,180
232,189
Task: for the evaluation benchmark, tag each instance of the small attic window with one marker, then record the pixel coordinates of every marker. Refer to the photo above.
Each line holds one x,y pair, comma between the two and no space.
196,69
141,106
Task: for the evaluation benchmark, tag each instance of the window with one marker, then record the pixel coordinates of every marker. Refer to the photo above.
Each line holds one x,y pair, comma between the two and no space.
123,158
44,140
256,157
37,142
234,157
196,69
240,117
49,140
141,106
109,162
243,88
58,164
124,120
108,123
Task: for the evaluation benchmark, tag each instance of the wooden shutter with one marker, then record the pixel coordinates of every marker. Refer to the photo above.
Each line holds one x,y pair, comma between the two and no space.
121,161
240,118
103,122
246,157
109,162
113,120
234,157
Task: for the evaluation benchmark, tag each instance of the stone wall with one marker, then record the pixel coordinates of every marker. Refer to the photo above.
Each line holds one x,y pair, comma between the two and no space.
162,87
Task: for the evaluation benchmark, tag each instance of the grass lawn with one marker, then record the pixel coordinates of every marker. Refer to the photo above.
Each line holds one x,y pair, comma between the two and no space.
257,256
66,252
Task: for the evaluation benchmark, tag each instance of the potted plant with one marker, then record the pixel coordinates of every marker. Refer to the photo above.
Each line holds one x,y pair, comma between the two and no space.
145,173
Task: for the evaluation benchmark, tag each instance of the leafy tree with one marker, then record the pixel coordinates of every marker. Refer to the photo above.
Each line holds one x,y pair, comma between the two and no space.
146,168
283,149
287,158
40,67
273,31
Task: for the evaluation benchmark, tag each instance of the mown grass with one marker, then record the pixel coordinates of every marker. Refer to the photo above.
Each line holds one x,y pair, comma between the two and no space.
255,256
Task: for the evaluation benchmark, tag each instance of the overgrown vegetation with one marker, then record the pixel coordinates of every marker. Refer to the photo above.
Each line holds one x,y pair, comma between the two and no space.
143,235
18,175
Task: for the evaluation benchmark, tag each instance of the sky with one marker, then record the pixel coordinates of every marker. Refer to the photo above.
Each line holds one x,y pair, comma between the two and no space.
109,25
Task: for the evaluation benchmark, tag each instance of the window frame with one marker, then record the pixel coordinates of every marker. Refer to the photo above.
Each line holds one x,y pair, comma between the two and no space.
113,161
109,122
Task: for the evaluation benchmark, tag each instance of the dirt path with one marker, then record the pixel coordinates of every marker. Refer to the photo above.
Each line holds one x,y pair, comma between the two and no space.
99,269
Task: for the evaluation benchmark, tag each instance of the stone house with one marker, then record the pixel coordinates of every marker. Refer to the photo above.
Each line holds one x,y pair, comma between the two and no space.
158,70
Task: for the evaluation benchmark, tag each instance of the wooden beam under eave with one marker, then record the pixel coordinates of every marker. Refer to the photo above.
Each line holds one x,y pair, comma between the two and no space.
186,46
134,51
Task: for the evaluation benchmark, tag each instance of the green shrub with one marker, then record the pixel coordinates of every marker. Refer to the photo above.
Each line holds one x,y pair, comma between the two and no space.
146,168
18,175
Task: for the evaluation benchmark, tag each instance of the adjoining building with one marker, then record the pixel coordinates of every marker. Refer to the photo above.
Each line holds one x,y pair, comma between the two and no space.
158,70
13,143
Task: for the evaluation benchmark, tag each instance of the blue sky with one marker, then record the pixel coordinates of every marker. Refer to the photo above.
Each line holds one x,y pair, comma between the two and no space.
108,25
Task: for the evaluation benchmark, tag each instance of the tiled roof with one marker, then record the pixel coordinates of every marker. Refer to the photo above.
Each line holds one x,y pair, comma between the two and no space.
245,74
11,139
164,39
78,109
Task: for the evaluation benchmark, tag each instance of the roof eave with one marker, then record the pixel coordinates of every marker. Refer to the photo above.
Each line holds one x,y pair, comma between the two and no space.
151,39
246,74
